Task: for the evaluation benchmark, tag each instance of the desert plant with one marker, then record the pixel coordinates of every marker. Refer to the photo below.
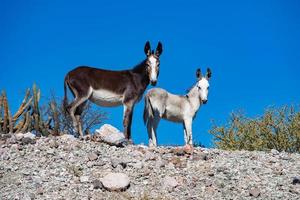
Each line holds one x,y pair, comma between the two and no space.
61,121
17,122
277,128
43,120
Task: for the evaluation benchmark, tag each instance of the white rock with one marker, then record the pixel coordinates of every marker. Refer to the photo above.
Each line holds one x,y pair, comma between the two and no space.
19,136
274,152
29,135
67,137
110,135
169,182
84,179
92,156
115,182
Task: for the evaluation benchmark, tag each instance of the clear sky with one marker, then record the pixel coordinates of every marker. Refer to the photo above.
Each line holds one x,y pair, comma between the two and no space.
252,47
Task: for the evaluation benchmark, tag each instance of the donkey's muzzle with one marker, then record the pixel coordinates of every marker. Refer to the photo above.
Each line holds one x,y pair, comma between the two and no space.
153,83
204,101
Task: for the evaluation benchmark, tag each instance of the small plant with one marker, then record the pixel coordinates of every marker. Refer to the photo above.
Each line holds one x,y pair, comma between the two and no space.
43,120
276,129
61,121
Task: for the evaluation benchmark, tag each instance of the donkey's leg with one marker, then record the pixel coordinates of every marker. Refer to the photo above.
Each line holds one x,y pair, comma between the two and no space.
127,119
184,134
78,113
188,131
154,128
73,107
149,130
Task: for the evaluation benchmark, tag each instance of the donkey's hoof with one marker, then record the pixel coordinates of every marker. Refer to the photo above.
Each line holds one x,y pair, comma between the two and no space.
188,149
127,142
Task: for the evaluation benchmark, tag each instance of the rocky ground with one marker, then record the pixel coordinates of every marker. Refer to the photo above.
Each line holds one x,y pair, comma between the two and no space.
67,168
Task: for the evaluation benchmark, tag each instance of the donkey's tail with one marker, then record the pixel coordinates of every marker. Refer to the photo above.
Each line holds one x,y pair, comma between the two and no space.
148,110
65,101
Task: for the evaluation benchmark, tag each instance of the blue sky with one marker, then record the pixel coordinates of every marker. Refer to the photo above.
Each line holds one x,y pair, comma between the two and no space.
252,48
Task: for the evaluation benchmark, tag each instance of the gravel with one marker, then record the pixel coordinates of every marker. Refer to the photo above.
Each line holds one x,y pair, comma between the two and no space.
67,168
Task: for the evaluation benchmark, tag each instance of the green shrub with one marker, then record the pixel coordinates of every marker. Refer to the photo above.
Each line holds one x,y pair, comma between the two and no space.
277,128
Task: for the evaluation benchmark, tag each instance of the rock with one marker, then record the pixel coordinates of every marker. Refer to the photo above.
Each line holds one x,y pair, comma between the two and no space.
296,180
255,192
27,140
110,135
50,151
92,156
19,136
208,182
67,137
115,182
29,135
97,184
138,165
116,162
11,140
274,152
178,151
39,190
169,182
53,144
84,179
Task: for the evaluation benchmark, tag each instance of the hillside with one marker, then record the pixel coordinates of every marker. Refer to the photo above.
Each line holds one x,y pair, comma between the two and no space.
67,168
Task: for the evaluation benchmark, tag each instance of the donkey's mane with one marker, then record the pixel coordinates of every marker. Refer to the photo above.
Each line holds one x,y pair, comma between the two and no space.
190,88
139,66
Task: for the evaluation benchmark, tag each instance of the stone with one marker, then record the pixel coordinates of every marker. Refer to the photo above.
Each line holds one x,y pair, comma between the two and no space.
39,190
296,180
110,135
138,165
27,140
178,151
97,184
19,136
274,152
115,182
53,144
169,182
50,151
29,135
92,156
255,192
67,137
84,179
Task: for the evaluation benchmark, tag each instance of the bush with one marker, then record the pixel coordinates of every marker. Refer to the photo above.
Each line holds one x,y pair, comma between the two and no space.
48,119
62,123
277,128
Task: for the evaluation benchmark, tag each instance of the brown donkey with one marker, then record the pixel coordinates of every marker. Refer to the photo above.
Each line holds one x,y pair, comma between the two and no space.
111,88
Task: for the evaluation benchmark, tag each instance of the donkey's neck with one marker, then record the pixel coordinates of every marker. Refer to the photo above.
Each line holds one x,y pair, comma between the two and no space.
141,71
193,98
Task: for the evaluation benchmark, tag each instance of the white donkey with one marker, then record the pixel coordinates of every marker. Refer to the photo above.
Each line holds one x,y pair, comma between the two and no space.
177,108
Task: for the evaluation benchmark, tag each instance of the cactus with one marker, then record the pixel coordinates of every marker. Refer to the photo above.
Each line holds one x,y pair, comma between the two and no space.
5,112
54,111
24,105
27,121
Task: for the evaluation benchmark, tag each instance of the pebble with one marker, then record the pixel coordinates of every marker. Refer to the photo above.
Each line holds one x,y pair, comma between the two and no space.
255,192
115,182
84,179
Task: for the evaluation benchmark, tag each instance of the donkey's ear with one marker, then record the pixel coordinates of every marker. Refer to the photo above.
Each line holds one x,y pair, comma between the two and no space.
147,48
159,49
198,73
208,73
